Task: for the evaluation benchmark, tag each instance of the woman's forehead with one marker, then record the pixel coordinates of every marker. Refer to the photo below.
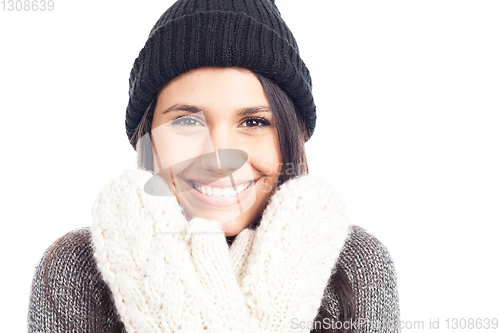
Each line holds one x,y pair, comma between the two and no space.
211,89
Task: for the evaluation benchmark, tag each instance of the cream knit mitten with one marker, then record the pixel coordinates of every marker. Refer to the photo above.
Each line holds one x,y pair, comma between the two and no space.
140,249
170,275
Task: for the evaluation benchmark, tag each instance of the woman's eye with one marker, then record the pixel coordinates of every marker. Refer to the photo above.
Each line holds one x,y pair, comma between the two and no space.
255,122
186,121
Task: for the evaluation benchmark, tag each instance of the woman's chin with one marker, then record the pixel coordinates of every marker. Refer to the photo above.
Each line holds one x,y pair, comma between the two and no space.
234,227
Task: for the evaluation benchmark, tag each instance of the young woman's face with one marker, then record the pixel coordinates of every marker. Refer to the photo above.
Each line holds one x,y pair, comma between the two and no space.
216,145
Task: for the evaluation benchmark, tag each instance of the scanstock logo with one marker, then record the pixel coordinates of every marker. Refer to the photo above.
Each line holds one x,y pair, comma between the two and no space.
204,179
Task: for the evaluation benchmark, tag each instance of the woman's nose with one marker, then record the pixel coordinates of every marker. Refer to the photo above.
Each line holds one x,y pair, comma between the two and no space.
231,160
227,158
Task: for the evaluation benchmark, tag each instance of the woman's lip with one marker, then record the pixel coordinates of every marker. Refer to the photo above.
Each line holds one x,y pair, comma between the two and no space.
220,201
220,183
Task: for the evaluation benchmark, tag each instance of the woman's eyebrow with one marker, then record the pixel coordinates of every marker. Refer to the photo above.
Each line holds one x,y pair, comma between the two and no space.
252,110
193,109
183,107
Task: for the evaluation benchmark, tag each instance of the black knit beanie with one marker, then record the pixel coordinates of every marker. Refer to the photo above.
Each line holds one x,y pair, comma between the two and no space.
224,33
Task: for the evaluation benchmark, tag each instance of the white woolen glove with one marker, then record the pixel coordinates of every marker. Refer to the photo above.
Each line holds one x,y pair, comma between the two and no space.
280,271
142,248
294,250
140,251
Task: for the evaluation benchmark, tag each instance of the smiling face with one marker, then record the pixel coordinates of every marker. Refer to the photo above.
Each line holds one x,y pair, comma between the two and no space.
216,145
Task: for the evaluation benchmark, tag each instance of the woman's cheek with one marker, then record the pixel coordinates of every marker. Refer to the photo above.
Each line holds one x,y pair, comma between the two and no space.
266,167
271,168
267,188
264,154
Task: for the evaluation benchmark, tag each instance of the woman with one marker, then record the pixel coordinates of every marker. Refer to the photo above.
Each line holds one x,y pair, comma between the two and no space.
221,228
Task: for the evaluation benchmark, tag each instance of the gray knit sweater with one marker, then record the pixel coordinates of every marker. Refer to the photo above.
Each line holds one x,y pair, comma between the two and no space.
68,293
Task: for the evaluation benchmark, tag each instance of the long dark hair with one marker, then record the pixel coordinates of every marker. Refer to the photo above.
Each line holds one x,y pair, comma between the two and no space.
292,135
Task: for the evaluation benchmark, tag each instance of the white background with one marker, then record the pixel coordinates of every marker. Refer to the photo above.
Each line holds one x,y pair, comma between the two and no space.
408,103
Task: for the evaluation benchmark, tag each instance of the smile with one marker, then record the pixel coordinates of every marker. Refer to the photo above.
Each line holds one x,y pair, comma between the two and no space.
221,191
223,195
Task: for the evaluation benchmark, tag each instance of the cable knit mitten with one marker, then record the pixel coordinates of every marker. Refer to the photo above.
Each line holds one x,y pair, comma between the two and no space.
167,274
294,250
280,270
141,250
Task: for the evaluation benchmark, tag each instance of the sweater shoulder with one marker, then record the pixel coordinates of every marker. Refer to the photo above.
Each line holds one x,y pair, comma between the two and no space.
362,249
364,267
372,274
67,291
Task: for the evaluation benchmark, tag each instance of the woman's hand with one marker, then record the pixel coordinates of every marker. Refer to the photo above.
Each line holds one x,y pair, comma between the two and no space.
167,274
142,252
294,250
280,271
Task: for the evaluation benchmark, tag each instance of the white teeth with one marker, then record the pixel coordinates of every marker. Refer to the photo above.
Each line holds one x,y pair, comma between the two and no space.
217,191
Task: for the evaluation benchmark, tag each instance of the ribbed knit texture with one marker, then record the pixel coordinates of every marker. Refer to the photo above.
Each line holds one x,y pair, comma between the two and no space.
242,33
222,273
74,290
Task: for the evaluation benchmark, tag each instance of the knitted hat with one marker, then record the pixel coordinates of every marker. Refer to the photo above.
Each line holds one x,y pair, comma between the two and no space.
224,33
